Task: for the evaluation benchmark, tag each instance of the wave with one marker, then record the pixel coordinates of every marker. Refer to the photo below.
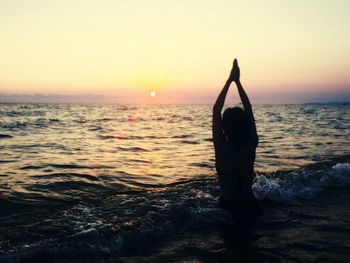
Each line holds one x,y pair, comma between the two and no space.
67,175
304,183
130,137
193,205
31,124
204,165
24,113
125,219
189,142
7,161
14,126
182,136
282,186
5,136
132,149
63,166
37,146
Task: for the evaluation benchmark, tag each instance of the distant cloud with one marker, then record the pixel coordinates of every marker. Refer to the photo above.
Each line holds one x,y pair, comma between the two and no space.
53,98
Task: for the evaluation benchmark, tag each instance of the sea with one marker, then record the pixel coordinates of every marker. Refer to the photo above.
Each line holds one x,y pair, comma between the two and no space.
137,183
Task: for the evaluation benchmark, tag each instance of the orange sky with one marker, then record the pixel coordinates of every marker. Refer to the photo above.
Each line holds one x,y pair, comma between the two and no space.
119,51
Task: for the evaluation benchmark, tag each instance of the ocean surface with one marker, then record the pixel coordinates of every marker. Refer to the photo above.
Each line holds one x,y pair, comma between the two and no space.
107,183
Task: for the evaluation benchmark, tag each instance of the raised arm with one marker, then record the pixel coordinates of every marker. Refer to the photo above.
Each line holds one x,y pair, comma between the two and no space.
219,104
245,101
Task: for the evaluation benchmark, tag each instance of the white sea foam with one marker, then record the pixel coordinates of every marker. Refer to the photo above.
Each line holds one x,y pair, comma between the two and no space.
301,184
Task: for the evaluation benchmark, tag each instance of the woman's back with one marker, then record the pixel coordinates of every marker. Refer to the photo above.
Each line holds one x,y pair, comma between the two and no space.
231,160
235,168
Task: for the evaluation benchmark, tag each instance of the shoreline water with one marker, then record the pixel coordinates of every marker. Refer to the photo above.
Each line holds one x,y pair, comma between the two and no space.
179,218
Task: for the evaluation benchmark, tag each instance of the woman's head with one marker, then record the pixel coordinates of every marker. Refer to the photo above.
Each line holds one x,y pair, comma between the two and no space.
236,125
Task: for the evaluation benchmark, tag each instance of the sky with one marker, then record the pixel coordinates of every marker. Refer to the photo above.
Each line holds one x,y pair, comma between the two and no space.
115,51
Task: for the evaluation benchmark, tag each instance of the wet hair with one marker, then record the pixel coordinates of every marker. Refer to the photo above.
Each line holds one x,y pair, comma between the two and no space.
236,126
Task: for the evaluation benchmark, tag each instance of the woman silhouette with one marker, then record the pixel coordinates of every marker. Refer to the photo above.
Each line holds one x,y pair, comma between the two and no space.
235,141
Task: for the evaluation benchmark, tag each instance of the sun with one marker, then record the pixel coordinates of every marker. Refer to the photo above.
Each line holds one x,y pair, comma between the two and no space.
153,93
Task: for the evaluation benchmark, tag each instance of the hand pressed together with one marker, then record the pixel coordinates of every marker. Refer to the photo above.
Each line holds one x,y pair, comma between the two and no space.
235,72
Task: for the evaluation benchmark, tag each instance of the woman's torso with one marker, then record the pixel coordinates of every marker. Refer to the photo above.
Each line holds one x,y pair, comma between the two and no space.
235,168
